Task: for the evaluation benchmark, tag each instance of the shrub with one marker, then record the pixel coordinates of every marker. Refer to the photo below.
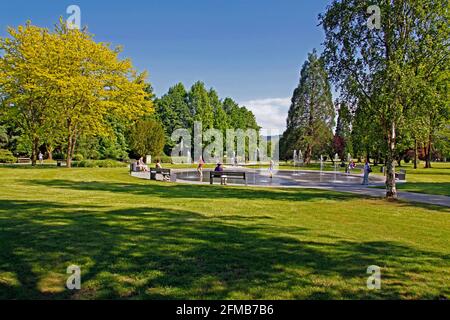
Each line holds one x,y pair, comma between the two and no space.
78,157
163,159
58,156
6,156
147,137
99,164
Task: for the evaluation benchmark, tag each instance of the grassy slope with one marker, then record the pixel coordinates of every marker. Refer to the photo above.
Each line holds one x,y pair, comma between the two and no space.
141,239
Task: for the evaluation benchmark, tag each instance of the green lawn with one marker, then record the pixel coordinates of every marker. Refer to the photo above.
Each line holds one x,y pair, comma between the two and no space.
430,181
138,239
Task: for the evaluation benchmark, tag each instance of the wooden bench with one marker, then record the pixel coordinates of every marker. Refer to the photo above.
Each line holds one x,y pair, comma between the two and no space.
401,175
223,175
23,160
166,173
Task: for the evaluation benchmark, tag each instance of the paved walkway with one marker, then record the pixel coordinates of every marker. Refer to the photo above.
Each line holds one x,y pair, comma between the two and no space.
352,188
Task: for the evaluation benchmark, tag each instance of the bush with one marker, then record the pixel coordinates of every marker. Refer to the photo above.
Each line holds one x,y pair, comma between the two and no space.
163,159
6,156
58,156
78,157
147,137
99,164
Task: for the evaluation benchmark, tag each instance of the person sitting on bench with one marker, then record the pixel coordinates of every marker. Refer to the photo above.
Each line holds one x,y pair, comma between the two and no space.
141,165
158,166
223,178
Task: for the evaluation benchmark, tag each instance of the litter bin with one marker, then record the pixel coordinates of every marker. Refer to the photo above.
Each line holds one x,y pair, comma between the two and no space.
152,174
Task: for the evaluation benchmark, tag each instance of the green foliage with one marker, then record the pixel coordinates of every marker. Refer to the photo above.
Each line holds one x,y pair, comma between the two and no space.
200,106
99,164
172,111
62,85
78,157
147,137
311,115
58,156
399,73
443,142
179,109
4,138
6,156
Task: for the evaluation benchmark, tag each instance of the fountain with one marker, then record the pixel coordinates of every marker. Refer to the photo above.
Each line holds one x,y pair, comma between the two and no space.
295,162
189,159
336,159
321,164
300,158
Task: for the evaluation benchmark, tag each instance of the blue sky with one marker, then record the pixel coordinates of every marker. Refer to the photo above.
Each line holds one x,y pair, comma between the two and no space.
250,50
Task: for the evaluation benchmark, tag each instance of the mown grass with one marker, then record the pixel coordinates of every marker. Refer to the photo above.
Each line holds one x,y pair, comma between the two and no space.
435,180
137,239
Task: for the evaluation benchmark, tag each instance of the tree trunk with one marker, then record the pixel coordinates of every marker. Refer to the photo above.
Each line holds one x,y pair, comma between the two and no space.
49,149
391,189
69,151
415,153
308,154
35,150
428,154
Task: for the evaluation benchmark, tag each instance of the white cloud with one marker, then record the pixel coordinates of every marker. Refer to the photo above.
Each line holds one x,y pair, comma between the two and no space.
270,113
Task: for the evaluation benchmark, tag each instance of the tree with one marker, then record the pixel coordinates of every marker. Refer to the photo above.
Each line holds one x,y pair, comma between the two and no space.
90,83
383,69
179,109
311,115
64,84
147,137
200,106
24,82
173,112
220,116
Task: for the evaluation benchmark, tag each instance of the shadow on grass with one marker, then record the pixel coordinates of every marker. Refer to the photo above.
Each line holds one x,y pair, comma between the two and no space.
167,190
186,191
158,253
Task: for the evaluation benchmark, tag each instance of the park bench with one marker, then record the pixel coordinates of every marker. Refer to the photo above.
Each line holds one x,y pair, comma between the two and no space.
166,174
60,163
401,175
23,160
223,175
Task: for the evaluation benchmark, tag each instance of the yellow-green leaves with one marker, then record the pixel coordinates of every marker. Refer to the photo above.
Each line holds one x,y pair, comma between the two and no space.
64,83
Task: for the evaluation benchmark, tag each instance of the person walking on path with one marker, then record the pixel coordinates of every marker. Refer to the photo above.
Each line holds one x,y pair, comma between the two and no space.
367,171
41,158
